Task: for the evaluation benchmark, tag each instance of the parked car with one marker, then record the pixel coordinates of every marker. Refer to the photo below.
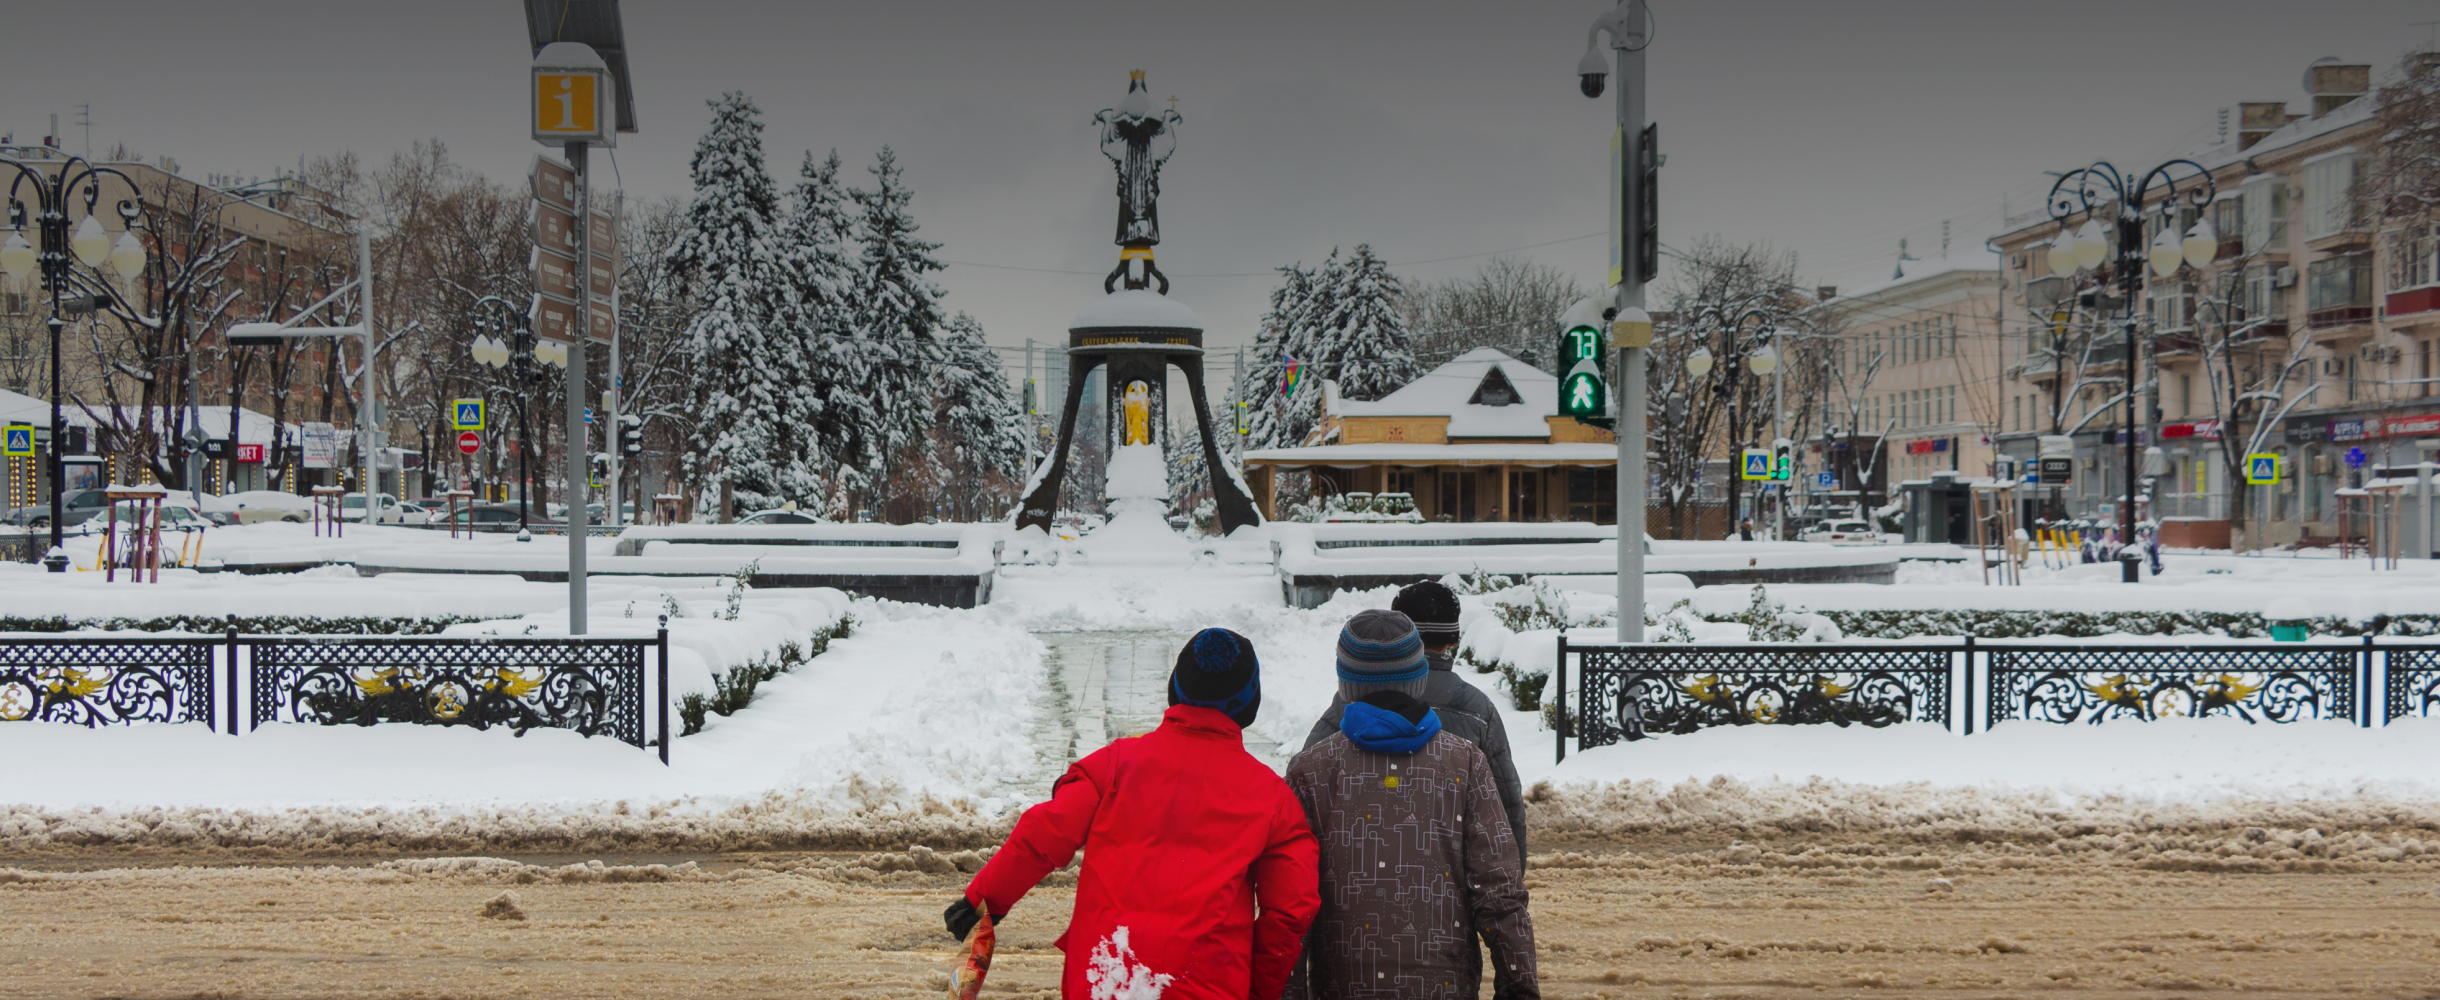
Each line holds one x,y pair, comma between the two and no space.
256,506
411,512
76,508
492,517
779,517
351,506
174,517
593,513
1844,532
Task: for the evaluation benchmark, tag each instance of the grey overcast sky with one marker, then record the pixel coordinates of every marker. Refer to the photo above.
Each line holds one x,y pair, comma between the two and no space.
1427,128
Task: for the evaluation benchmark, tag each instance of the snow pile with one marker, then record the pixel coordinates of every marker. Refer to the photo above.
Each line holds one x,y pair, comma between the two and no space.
1138,532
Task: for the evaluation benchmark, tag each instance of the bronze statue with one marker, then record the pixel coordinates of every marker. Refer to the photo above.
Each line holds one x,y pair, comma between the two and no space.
1137,141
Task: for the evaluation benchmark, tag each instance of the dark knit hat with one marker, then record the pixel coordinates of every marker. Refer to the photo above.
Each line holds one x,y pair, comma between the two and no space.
1379,650
1217,670
1433,608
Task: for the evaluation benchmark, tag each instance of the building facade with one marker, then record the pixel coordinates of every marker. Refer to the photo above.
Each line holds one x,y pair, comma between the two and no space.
2309,337
1915,383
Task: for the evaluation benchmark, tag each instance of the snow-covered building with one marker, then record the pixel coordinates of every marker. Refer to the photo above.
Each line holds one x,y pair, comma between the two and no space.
1918,360
1472,440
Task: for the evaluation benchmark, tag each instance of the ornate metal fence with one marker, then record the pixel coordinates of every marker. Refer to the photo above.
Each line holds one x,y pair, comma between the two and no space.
2411,685
104,682
1631,692
2287,682
595,686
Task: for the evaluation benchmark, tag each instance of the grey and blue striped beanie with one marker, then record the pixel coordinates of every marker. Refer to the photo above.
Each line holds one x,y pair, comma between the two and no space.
1380,651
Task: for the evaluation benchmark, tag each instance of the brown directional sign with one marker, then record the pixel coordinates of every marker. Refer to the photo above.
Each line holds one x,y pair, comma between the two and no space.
554,275
603,246
554,320
604,321
554,228
555,184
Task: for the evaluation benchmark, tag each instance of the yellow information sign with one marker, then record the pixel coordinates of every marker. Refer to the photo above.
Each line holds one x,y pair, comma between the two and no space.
567,105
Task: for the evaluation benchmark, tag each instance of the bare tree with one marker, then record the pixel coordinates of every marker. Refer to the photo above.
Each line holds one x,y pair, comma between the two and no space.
1727,302
1509,303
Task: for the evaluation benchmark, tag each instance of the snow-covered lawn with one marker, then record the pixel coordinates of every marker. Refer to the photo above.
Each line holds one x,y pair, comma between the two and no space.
923,724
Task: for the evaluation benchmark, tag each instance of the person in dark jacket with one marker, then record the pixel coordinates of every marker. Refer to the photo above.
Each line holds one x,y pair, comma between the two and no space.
1464,710
1416,856
1198,878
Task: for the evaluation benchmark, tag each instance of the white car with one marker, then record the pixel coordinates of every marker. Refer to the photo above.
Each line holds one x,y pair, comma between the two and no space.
1844,533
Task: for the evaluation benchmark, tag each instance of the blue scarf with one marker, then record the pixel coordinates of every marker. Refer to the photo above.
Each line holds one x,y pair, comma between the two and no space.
1383,731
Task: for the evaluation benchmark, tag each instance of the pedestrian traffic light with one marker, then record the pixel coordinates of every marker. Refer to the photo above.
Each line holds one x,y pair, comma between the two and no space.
1783,465
631,434
1584,390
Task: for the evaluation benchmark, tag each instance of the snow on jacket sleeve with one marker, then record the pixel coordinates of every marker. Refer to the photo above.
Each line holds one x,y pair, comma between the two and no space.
1288,885
1496,874
1046,839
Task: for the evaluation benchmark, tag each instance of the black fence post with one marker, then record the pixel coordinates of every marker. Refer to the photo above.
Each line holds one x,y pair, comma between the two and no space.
662,688
231,699
1968,684
1558,679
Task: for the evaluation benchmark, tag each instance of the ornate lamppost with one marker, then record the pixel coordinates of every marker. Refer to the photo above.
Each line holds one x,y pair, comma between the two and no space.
2100,191
519,353
1762,360
76,178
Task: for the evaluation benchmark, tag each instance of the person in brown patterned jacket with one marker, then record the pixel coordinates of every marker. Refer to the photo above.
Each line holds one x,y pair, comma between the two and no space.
1417,856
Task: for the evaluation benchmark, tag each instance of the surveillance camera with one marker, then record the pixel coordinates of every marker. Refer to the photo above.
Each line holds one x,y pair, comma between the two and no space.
1591,71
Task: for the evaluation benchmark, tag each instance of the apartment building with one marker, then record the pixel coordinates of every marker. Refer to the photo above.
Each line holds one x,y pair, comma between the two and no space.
290,245
1916,371
2322,321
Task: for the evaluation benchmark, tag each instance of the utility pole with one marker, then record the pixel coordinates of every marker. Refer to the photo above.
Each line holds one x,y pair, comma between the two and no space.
1632,161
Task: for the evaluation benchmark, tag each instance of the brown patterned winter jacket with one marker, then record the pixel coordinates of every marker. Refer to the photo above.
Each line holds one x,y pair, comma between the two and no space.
1416,860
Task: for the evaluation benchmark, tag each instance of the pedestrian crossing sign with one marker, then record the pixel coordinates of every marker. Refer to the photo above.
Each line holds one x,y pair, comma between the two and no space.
2261,469
20,441
1757,464
468,412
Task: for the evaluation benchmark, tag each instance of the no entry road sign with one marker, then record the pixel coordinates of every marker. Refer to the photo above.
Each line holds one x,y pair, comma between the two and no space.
470,442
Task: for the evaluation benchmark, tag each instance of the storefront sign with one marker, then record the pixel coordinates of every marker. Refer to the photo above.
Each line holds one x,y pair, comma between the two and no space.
2416,426
2355,430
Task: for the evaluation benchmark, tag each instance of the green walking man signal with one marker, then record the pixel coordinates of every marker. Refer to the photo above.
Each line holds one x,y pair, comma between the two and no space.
1584,389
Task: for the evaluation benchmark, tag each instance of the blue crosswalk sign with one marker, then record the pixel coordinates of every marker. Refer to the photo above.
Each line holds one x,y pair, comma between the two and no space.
469,414
20,441
2261,469
1757,464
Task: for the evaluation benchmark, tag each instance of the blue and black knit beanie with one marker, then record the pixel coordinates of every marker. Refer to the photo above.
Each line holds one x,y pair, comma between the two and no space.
1380,651
1217,670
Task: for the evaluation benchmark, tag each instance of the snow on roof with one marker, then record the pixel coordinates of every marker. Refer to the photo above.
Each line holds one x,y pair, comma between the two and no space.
1969,259
1139,307
1353,455
1444,391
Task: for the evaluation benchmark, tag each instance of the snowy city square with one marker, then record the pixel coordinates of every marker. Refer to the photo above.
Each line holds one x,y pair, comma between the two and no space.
1267,502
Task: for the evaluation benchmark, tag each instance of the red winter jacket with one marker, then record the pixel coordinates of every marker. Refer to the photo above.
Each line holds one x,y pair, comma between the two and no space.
1183,834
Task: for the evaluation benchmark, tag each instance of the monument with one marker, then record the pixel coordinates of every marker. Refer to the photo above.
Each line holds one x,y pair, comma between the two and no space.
1138,332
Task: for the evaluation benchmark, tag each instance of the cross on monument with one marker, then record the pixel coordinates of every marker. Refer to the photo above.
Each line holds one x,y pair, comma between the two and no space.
1173,102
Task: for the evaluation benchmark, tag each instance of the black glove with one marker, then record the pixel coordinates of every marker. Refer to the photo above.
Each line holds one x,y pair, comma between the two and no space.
961,917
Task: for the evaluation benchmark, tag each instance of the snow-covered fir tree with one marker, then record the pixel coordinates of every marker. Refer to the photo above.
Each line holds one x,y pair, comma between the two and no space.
982,428
821,263
1362,339
1275,418
899,312
744,377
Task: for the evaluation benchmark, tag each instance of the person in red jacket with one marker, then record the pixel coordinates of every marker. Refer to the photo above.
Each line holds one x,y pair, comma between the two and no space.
1200,871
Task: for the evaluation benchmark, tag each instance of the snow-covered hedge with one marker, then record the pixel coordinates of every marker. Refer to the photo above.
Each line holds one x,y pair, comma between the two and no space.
247,624
723,641
1991,624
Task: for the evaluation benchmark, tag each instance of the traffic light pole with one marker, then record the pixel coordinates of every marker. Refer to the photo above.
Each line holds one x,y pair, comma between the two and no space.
1630,425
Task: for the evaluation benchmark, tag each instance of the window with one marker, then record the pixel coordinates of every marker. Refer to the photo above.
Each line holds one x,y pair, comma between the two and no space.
2339,289
12,303
2412,259
2330,206
2264,299
2423,368
2185,395
2265,200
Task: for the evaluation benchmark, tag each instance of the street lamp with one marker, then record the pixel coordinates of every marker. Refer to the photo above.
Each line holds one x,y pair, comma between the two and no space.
76,178
2100,190
519,353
